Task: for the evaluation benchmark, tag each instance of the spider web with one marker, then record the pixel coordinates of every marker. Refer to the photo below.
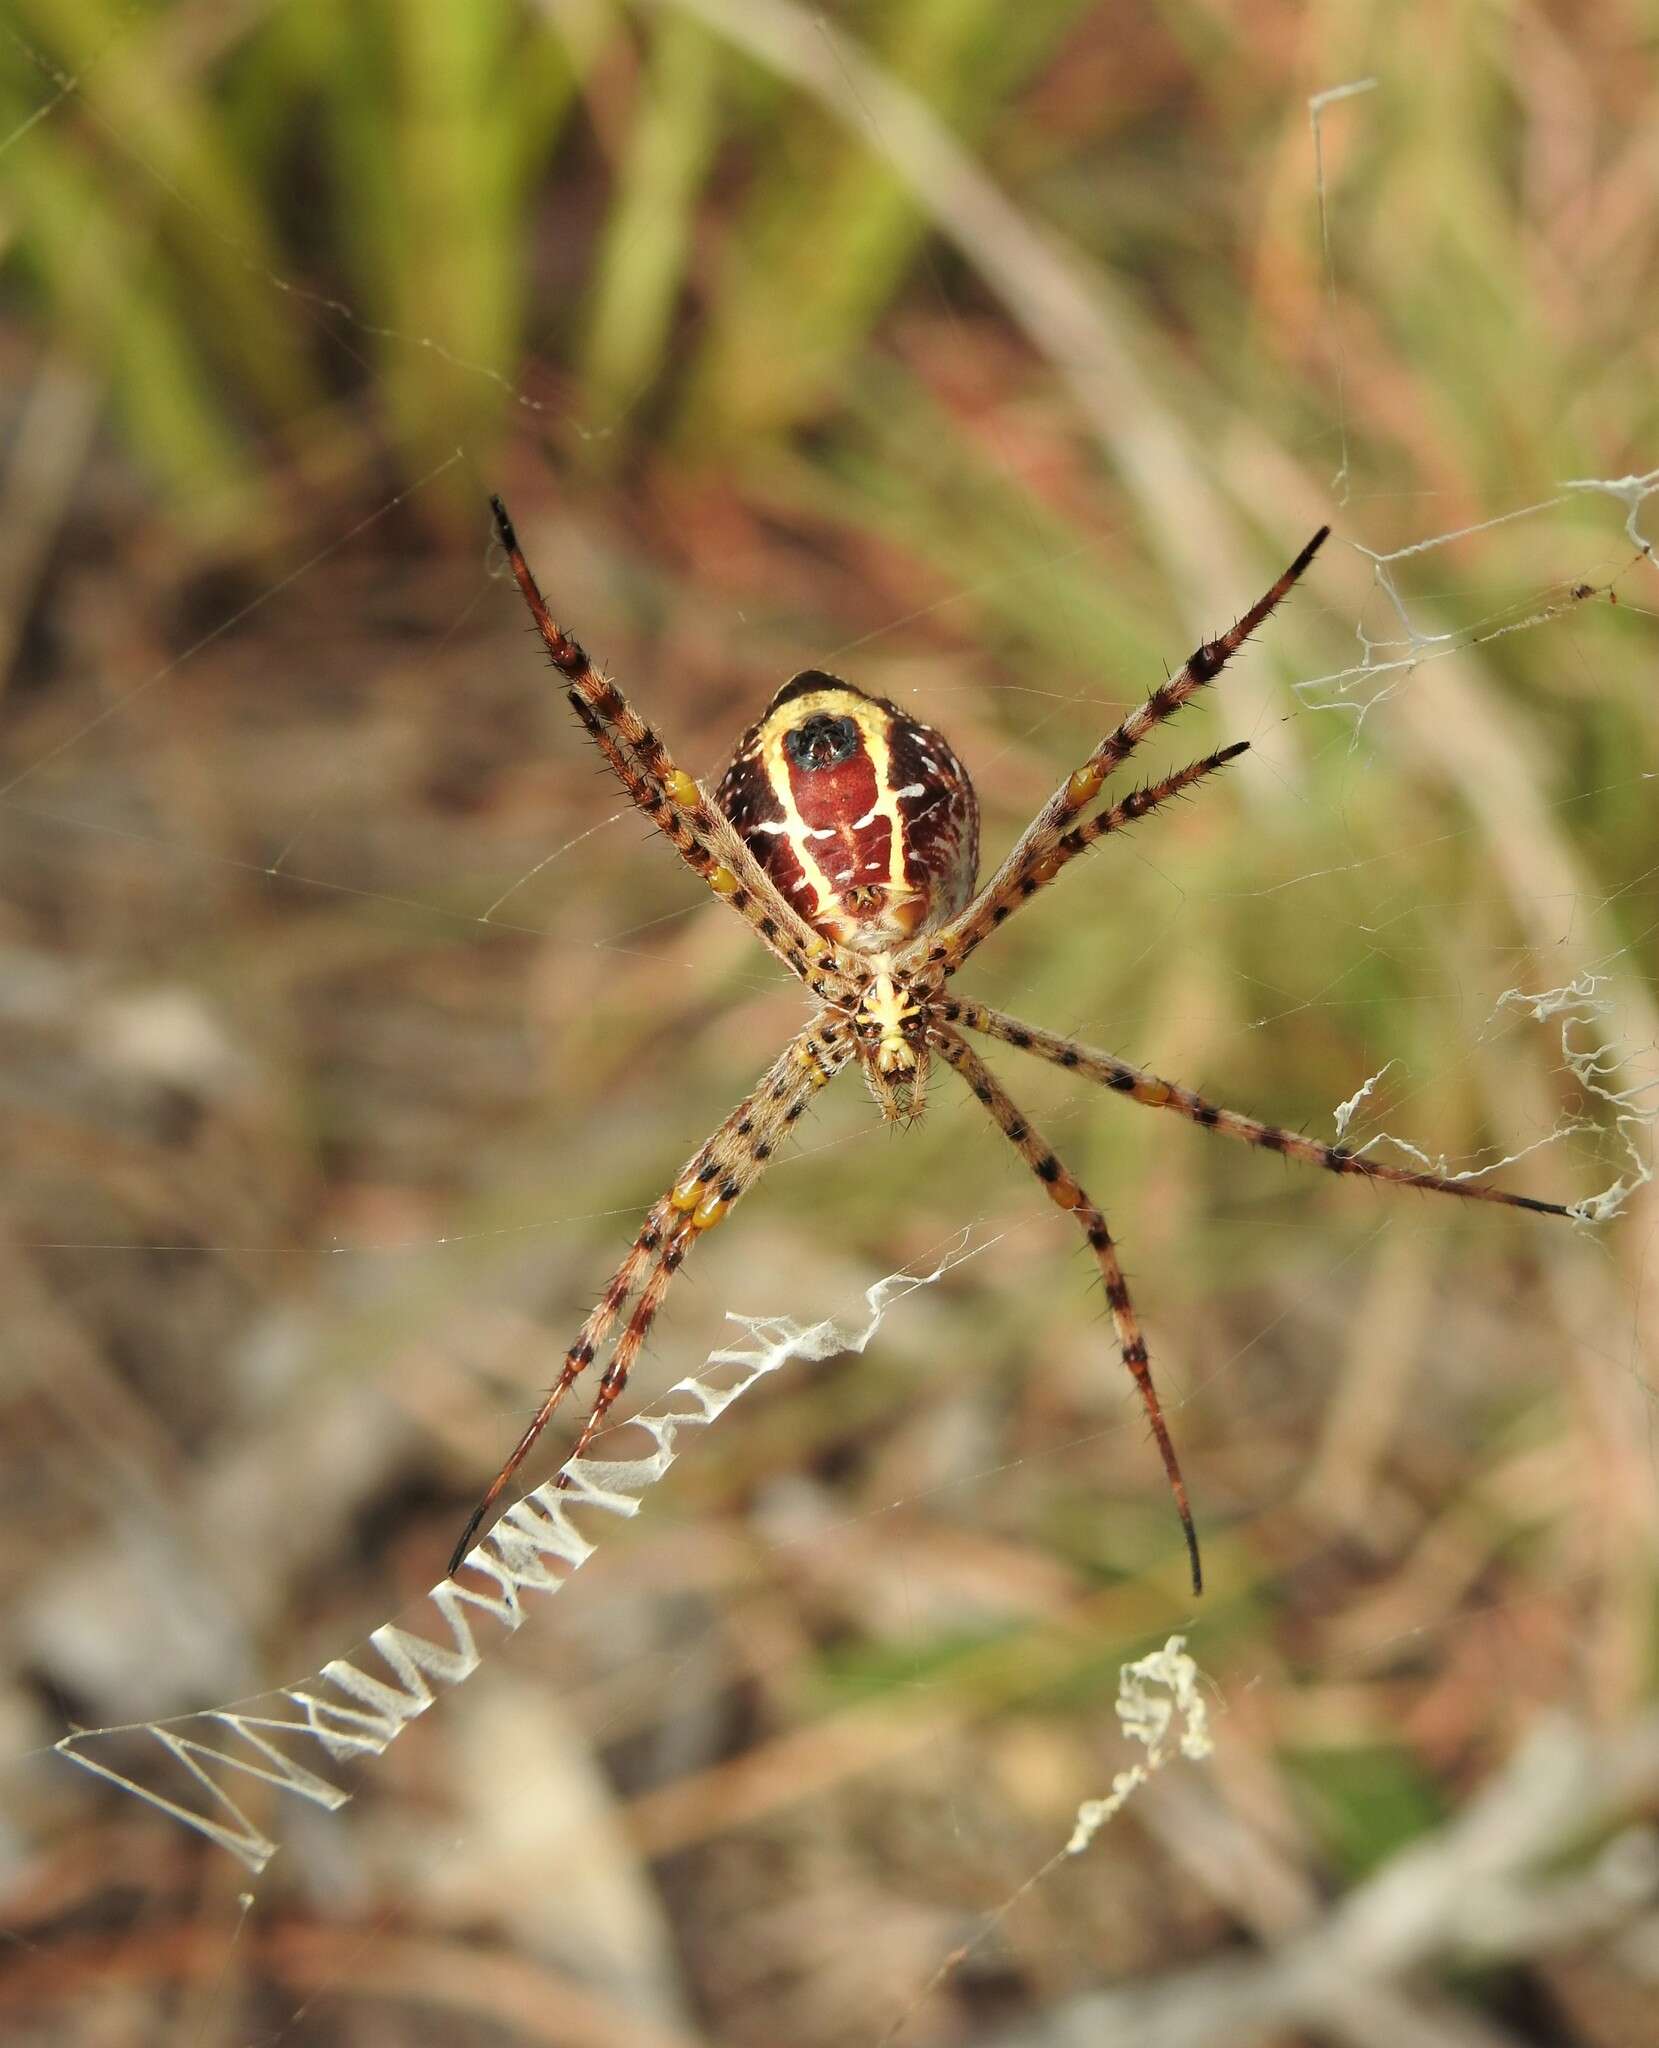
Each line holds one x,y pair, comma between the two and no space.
347,1712
1472,1889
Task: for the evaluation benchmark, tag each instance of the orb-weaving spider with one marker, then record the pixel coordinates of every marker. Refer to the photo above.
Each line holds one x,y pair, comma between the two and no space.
847,834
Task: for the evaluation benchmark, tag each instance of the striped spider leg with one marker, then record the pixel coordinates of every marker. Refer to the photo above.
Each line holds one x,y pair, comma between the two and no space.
1141,1086
1054,837
1065,1191
711,1182
673,800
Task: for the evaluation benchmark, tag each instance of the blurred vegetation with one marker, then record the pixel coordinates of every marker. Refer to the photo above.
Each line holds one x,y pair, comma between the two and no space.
989,355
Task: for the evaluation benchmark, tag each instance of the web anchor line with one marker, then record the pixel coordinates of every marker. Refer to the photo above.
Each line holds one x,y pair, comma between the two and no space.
346,1712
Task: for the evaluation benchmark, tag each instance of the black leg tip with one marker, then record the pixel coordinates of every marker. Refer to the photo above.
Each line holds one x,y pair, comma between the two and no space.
1193,1559
504,525
1312,549
458,1554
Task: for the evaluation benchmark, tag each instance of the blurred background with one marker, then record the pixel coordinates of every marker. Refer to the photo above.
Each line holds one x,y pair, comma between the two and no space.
989,356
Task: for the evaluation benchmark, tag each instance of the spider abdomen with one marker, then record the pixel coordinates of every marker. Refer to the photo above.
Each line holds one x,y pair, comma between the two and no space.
864,819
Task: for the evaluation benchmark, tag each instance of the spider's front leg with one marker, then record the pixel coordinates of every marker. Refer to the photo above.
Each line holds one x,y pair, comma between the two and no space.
1055,836
673,800
712,1180
1068,1193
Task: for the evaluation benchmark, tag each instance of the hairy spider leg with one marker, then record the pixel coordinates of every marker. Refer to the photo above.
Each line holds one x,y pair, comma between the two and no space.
1068,1193
718,1184
673,800
1130,809
1032,864
715,1177
1141,1086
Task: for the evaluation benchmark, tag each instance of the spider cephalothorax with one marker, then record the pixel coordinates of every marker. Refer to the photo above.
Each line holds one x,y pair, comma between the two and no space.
847,835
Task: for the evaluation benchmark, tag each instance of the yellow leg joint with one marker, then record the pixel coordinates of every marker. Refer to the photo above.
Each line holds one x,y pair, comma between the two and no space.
723,882
682,790
1064,1194
1084,785
710,1211
806,1056
688,1194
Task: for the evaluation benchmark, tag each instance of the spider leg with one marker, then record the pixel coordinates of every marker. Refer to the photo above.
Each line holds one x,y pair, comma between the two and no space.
1066,1192
1128,810
716,1175
674,801
722,1178
660,1223
1032,863
1141,1086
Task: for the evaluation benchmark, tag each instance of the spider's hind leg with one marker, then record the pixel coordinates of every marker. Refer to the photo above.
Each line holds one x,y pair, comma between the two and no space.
1140,1086
715,1177
1068,1193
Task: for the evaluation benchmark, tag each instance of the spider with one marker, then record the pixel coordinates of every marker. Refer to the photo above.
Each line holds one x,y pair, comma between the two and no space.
847,834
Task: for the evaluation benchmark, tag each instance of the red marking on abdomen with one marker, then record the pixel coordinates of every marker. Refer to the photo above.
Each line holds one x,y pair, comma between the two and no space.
846,836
